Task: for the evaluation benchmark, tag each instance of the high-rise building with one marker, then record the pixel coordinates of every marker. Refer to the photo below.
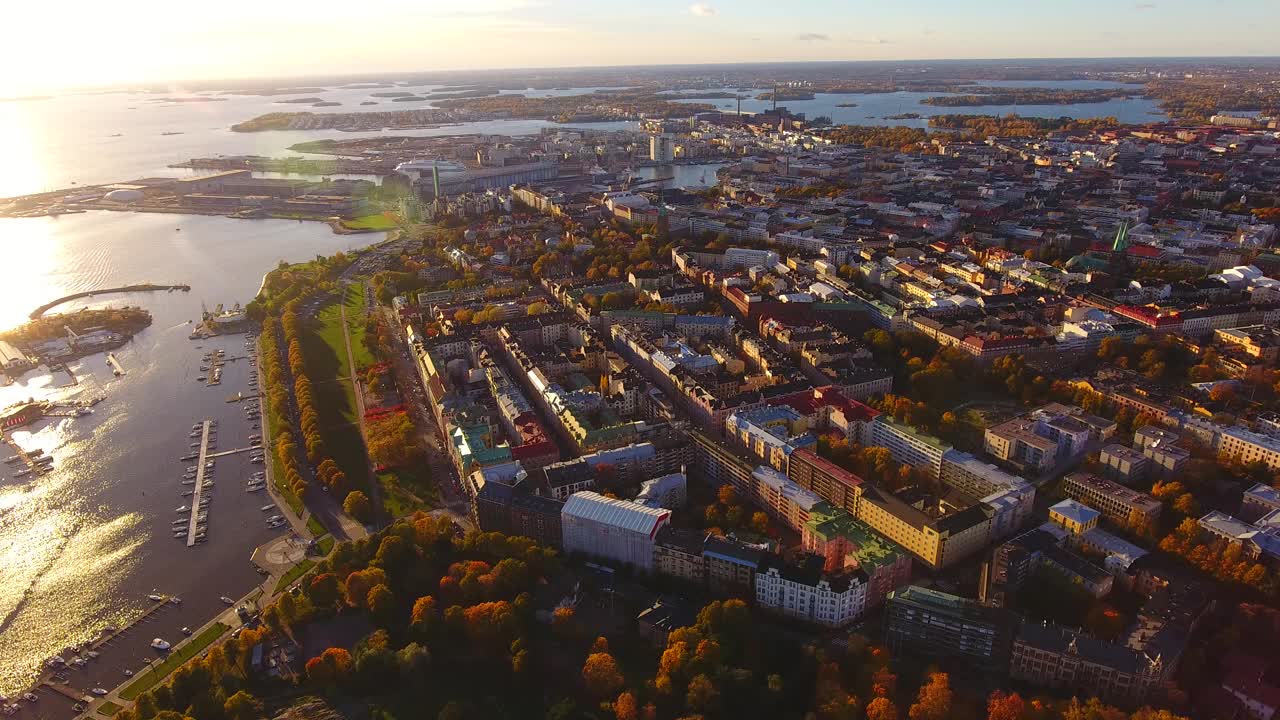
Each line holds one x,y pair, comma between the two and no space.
662,148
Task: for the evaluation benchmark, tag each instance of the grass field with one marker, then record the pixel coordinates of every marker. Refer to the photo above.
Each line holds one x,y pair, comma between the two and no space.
381,221
406,490
326,357
175,660
294,573
108,708
325,544
315,527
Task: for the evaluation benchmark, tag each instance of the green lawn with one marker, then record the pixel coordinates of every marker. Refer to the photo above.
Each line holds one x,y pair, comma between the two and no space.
381,221
326,357
325,544
108,709
294,573
406,490
176,659
315,526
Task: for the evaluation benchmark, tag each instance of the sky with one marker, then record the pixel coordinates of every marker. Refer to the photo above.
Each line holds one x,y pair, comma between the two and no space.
85,43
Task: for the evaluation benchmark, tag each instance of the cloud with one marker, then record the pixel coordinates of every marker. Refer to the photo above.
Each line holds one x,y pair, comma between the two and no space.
702,10
813,37
1144,6
872,40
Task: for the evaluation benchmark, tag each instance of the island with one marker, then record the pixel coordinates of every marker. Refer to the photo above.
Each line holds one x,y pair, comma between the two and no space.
979,96
786,94
299,101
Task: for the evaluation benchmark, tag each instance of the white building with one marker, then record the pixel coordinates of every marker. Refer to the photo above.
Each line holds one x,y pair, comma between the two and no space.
908,445
614,530
669,491
806,593
662,148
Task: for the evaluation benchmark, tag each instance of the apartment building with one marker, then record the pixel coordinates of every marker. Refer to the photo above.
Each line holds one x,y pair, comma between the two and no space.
805,592
1124,464
933,624
909,445
845,542
1245,446
1118,504
1061,658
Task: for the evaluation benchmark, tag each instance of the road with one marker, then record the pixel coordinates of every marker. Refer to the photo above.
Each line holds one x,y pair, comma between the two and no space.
375,488
316,501
454,500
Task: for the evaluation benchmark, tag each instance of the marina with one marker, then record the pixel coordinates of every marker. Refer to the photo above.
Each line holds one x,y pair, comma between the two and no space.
97,508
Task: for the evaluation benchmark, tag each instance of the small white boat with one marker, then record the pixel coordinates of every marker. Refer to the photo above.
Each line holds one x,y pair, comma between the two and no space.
92,654
227,601
175,600
265,508
153,597
79,662
160,644
99,691
182,509
30,697
128,672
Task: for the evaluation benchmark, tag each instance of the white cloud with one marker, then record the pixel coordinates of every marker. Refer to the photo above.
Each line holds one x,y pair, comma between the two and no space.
813,37
702,10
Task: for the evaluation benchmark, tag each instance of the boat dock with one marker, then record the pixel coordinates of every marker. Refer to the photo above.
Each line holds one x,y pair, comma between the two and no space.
233,452
48,676
115,364
28,459
193,523
68,691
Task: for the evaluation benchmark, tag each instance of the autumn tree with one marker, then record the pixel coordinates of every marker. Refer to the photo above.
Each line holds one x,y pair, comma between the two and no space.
934,699
882,708
242,706
1002,706
625,707
357,505
600,673
330,667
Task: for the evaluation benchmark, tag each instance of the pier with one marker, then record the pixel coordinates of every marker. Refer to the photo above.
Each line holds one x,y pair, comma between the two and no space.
192,524
115,364
233,452
142,287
